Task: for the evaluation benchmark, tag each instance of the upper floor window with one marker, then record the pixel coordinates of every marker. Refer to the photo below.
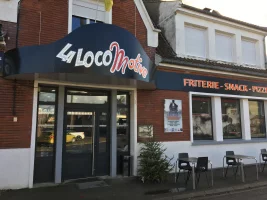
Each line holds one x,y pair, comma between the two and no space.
80,21
195,41
249,51
224,47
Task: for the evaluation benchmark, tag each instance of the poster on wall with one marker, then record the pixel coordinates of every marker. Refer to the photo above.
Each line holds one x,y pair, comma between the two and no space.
173,121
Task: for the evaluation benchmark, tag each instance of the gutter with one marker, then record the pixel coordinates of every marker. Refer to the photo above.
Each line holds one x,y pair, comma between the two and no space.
203,66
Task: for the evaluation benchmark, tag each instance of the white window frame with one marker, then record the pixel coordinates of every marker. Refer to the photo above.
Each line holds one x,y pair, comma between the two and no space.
217,124
231,36
97,7
255,42
205,31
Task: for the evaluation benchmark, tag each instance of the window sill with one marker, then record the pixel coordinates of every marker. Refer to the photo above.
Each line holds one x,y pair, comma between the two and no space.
237,141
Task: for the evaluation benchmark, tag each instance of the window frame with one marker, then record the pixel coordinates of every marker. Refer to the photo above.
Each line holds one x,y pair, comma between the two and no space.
206,40
212,132
240,120
231,36
245,39
262,101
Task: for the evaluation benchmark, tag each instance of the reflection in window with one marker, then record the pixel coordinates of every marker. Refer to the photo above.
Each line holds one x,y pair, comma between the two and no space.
257,119
78,22
231,121
46,122
202,119
86,97
123,136
47,94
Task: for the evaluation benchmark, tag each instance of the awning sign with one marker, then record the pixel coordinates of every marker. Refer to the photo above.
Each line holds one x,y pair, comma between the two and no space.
86,50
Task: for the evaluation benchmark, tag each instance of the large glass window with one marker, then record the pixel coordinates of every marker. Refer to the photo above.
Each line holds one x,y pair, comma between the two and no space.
46,122
123,131
231,121
257,119
202,119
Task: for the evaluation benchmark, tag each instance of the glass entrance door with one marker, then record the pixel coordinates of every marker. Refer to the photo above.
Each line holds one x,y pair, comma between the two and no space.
86,143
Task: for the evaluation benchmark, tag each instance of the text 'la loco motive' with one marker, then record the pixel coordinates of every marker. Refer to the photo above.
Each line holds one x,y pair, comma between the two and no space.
120,62
225,86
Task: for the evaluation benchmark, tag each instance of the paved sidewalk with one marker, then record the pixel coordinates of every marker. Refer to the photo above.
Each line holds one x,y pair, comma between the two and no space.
132,188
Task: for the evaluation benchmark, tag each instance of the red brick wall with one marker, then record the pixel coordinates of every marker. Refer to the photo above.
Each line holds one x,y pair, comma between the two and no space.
15,134
150,111
42,22
126,15
11,29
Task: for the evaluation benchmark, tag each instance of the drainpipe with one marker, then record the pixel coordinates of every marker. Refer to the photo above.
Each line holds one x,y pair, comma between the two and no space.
264,51
18,20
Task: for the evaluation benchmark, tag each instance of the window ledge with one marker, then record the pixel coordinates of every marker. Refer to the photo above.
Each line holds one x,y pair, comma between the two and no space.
237,141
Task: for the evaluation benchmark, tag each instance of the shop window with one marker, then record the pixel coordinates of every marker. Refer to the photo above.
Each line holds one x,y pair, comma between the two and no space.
46,122
224,47
257,119
249,52
123,128
202,119
231,120
195,41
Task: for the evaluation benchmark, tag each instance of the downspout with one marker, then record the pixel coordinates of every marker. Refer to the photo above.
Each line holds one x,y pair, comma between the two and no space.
264,51
18,20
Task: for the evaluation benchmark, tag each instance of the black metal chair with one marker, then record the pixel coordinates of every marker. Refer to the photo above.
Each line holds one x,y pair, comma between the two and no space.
264,157
183,165
231,162
202,167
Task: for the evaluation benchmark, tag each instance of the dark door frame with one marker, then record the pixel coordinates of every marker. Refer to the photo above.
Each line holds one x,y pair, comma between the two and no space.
97,108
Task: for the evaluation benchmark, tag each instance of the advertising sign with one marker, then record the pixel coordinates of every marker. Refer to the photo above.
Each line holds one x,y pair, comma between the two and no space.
208,84
173,121
95,49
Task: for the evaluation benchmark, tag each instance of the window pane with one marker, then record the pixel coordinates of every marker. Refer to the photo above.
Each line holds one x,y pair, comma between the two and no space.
77,22
231,121
123,132
195,41
45,131
224,47
257,119
86,97
249,52
202,119
47,94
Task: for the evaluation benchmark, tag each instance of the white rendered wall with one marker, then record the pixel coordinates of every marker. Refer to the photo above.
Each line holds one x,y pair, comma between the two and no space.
14,168
213,26
174,26
8,10
214,152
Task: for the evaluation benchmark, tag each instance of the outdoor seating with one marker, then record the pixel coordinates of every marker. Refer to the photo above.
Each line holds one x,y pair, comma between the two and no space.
231,162
202,167
264,157
183,165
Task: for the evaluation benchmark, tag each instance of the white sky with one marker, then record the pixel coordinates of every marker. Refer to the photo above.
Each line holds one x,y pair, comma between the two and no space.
254,11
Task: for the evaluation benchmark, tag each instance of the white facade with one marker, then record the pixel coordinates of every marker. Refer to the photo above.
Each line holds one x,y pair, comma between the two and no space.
240,45
9,10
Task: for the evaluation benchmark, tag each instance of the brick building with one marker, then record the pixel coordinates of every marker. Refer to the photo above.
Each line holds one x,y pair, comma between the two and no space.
81,86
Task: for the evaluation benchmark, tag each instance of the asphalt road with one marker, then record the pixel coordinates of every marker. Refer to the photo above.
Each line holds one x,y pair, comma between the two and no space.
254,194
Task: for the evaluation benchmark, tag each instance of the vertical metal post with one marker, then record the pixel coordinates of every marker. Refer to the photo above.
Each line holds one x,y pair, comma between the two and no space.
113,131
59,136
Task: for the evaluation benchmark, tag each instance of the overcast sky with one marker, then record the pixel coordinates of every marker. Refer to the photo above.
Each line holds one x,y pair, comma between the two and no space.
254,11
